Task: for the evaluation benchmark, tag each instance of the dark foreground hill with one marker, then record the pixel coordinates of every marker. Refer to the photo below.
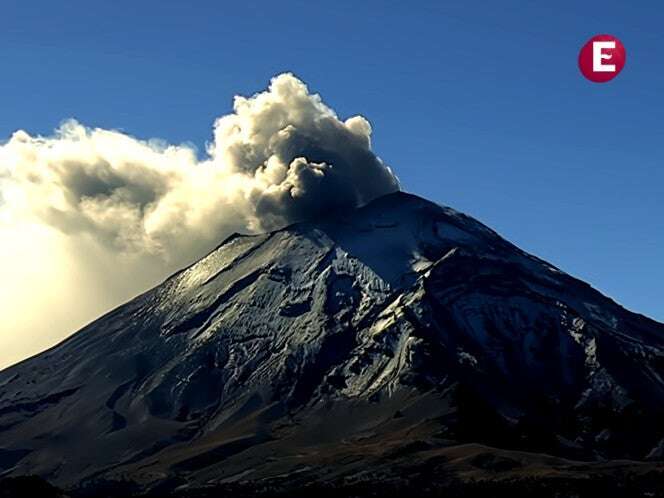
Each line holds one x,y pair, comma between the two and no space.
400,344
489,473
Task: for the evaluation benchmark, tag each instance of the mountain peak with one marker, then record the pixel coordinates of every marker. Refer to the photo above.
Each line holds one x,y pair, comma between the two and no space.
304,343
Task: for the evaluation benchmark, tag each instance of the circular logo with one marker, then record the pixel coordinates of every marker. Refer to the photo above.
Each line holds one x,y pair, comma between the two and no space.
602,58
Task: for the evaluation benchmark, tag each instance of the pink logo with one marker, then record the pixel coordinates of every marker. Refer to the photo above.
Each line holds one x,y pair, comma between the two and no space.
602,58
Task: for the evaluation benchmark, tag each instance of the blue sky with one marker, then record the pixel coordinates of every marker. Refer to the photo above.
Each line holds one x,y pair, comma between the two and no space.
479,106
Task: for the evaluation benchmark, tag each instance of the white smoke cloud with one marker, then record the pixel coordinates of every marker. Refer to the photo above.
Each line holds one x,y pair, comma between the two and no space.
91,217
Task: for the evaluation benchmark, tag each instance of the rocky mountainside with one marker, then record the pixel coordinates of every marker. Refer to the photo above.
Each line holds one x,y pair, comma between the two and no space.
339,348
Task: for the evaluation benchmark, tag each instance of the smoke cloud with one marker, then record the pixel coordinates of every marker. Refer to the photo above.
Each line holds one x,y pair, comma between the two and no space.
91,217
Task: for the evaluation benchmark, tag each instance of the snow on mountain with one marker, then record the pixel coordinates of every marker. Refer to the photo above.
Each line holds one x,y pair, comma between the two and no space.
398,322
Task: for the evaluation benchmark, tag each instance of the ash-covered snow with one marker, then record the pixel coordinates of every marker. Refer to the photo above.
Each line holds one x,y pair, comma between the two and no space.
250,347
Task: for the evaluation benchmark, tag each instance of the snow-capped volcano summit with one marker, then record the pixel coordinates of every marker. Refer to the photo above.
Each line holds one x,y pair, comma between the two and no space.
325,347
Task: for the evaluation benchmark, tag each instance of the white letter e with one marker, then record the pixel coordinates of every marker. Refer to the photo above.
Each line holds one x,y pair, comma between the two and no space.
598,56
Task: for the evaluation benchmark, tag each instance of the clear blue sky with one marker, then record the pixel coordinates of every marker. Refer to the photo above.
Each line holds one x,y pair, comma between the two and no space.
477,105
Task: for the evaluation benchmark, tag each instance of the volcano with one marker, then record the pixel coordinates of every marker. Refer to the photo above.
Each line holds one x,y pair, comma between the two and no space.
368,344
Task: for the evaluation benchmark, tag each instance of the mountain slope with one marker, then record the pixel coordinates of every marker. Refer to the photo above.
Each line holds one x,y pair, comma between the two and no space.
327,347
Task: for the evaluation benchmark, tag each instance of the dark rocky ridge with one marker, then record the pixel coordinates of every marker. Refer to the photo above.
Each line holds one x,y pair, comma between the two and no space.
335,349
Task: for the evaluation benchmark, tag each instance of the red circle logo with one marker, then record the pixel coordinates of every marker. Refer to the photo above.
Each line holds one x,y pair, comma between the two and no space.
602,58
